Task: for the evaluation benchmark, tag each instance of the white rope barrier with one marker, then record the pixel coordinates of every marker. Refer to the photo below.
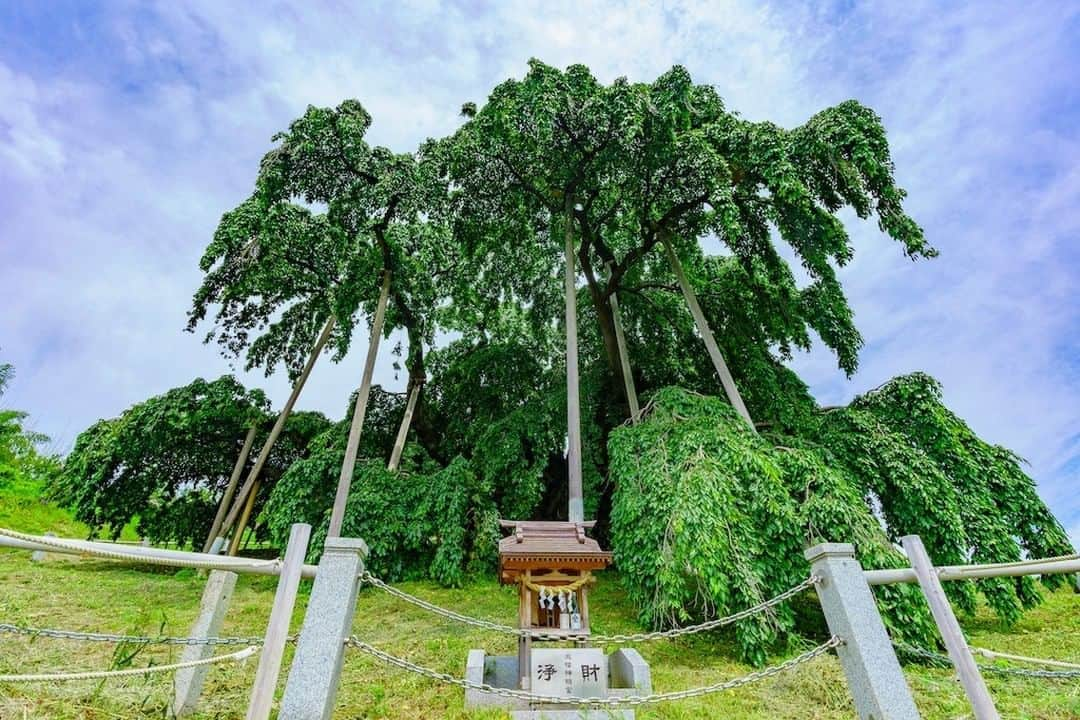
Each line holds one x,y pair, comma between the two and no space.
152,556
107,674
993,655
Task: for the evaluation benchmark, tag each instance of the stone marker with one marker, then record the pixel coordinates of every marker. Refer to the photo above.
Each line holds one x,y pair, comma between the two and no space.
188,682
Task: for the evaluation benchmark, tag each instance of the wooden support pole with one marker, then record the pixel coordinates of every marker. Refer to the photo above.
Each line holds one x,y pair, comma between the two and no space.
706,334
245,516
953,637
230,489
624,357
337,516
277,627
403,430
279,425
573,398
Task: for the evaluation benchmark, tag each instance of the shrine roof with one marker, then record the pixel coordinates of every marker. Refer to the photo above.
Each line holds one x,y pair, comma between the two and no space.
541,541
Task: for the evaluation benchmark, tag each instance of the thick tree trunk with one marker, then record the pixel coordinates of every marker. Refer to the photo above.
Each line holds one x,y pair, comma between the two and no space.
230,489
706,334
279,424
573,398
337,517
403,430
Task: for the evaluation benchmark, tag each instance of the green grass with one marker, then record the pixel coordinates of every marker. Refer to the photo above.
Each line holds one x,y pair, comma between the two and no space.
104,596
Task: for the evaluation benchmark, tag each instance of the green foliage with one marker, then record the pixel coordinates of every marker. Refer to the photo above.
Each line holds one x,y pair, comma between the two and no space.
709,518
21,461
970,501
167,460
439,525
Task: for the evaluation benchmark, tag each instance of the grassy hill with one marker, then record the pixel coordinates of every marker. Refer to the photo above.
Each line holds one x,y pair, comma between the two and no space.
68,593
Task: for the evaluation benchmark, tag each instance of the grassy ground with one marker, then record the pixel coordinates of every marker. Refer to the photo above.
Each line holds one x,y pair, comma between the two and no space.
105,596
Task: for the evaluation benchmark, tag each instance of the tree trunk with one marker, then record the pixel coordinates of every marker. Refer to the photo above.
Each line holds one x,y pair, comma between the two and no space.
403,430
279,424
706,334
624,357
230,490
337,517
573,398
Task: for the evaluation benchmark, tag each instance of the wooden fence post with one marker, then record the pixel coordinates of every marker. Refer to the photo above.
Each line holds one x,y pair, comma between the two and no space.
951,634
874,677
311,689
277,627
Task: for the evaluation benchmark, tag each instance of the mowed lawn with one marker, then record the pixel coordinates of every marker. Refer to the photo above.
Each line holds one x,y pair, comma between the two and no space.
104,596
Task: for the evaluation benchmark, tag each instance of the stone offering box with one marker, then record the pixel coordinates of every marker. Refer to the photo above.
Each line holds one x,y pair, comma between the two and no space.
552,564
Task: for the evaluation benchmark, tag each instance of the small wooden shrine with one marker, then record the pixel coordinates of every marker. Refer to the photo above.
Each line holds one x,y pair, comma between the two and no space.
552,564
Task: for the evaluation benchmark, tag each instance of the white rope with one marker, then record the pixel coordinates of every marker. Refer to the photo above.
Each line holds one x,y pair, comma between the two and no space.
173,559
102,674
1023,658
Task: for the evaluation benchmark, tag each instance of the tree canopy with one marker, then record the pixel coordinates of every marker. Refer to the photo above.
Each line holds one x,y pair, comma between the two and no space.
648,180
166,460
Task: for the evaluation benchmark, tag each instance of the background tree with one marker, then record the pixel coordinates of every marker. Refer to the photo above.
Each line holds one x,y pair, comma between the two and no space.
165,461
21,460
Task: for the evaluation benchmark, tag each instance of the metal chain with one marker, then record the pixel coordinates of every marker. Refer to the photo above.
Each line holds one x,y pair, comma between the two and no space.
101,674
635,637
994,669
595,702
135,639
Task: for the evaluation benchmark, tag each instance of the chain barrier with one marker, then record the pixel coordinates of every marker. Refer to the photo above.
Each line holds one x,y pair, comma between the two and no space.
946,661
105,674
134,639
594,702
809,582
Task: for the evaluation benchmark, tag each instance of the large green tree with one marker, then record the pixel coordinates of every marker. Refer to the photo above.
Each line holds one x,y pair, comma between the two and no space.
649,181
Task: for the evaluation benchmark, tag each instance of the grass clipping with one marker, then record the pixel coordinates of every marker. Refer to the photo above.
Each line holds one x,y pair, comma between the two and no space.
709,518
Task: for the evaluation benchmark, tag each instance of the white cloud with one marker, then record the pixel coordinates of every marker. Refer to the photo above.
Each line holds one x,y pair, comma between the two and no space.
115,174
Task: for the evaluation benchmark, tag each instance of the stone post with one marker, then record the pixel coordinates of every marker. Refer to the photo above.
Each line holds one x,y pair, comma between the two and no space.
187,685
39,555
311,688
874,677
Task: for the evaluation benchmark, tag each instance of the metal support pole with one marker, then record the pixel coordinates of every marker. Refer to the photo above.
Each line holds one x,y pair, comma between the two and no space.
341,497
576,510
188,682
873,673
312,686
277,627
951,634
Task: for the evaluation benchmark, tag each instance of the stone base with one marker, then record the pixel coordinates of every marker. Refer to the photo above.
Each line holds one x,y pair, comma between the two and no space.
628,676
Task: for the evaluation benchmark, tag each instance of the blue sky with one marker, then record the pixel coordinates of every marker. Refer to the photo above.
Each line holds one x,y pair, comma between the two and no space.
127,129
